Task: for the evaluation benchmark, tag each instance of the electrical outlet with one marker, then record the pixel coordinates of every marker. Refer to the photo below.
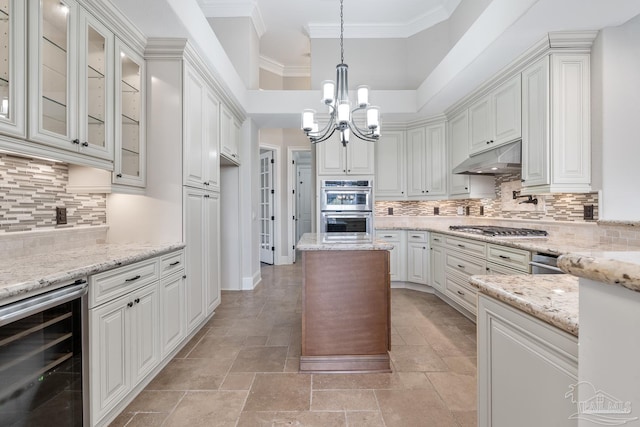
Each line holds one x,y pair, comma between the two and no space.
460,210
61,216
389,211
481,210
436,210
588,212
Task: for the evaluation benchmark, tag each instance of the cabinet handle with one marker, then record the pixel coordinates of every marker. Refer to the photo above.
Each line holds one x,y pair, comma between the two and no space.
206,183
130,304
460,293
426,191
206,196
119,175
348,170
466,188
488,142
85,144
424,247
184,277
133,279
461,246
504,257
415,237
488,269
233,155
460,266
522,180
174,263
137,300
436,240
76,141
387,237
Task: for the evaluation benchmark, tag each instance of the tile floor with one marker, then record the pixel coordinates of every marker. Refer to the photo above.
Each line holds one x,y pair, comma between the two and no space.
241,369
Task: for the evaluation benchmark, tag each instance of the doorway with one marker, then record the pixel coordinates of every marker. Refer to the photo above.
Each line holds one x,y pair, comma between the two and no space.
267,217
301,182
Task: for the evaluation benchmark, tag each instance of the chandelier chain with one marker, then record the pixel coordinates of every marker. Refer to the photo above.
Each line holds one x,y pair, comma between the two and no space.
341,34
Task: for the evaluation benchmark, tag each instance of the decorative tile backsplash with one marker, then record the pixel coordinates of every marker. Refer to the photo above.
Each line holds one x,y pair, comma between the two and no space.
30,191
557,207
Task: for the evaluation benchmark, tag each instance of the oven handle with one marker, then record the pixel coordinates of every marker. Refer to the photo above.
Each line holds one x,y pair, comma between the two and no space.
547,266
37,304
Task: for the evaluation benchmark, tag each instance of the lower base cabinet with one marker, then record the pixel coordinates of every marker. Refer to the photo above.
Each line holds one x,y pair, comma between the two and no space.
397,255
173,324
525,369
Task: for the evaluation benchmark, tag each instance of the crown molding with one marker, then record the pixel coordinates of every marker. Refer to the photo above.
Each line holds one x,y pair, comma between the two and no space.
235,9
281,70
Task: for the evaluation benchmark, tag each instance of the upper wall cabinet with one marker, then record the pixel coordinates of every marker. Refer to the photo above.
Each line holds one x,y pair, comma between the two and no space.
426,161
495,119
556,139
390,155
13,67
70,79
357,158
229,135
130,152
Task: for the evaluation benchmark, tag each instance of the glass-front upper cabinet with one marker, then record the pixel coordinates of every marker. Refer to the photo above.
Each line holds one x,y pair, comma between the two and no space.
130,136
12,67
71,79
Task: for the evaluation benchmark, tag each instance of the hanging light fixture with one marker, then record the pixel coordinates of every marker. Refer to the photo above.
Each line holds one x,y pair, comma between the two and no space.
341,116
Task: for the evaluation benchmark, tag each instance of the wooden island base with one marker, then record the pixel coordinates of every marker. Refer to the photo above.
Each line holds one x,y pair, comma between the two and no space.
346,311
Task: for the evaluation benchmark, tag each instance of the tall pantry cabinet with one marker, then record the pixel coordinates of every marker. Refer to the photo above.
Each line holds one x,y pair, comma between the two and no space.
187,107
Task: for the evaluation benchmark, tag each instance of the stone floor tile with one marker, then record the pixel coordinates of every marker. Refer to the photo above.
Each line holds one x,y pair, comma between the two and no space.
237,381
365,419
148,419
306,419
458,391
401,408
414,380
356,381
191,374
279,392
260,359
207,408
343,400
461,364
416,358
155,401
466,418
255,341
292,364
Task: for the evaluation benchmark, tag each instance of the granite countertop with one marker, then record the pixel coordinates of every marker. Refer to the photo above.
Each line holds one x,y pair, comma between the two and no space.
613,268
32,274
341,242
552,298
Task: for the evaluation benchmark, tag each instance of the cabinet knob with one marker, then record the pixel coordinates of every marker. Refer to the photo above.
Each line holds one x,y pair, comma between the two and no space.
488,142
137,300
184,277
76,141
522,180
119,175
466,188
85,144
426,191
424,247
130,304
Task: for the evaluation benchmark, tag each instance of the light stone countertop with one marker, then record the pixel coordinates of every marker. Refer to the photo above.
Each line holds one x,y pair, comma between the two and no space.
613,268
341,242
552,298
32,274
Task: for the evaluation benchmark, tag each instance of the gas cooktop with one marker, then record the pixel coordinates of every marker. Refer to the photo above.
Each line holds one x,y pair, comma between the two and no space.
490,230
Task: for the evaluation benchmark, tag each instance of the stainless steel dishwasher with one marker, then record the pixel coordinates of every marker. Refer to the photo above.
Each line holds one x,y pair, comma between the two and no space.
544,264
43,371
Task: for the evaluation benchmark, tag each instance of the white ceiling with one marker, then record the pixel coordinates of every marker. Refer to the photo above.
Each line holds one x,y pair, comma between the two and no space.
286,25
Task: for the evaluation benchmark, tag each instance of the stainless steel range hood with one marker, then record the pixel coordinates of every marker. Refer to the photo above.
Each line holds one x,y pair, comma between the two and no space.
503,159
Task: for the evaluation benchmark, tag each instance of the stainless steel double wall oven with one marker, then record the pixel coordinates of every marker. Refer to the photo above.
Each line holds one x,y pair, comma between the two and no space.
346,206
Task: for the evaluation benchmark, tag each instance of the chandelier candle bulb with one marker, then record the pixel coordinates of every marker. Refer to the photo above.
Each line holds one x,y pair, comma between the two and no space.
373,117
344,137
344,113
328,91
363,96
307,120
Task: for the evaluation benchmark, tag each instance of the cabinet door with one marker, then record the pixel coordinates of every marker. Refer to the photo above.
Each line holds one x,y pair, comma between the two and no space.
145,332
506,112
417,263
13,62
109,377
95,94
360,157
212,251
437,268
435,161
236,133
228,135
415,162
397,257
458,151
172,322
53,47
212,138
331,157
535,124
480,134
130,162
194,236
390,179
195,163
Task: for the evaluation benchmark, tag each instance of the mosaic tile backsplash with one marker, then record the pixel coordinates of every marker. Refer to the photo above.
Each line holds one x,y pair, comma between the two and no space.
557,207
30,191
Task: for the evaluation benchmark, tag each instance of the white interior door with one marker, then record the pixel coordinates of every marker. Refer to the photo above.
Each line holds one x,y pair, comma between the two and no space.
303,205
266,208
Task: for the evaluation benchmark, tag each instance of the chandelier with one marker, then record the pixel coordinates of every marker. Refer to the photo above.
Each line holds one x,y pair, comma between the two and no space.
341,116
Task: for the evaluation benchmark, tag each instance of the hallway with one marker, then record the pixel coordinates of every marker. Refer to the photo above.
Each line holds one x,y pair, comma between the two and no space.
241,369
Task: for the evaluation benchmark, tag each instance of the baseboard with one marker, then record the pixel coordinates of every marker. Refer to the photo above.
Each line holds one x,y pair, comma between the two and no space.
250,283
413,286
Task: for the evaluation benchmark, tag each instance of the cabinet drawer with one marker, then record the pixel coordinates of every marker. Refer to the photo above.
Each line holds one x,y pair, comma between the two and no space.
437,239
461,293
464,265
389,235
493,268
110,284
509,257
417,236
170,263
471,247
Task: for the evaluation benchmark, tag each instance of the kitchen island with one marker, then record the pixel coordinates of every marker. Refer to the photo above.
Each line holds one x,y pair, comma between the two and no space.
346,320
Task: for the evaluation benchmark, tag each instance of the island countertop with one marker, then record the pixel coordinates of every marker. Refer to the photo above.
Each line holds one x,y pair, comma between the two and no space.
342,242
552,298
609,267
28,274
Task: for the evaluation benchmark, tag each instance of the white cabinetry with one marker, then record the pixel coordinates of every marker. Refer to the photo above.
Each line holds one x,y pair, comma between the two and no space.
13,63
229,135
390,160
437,270
523,365
173,320
398,255
496,119
418,257
465,186
556,140
426,161
201,133
357,158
